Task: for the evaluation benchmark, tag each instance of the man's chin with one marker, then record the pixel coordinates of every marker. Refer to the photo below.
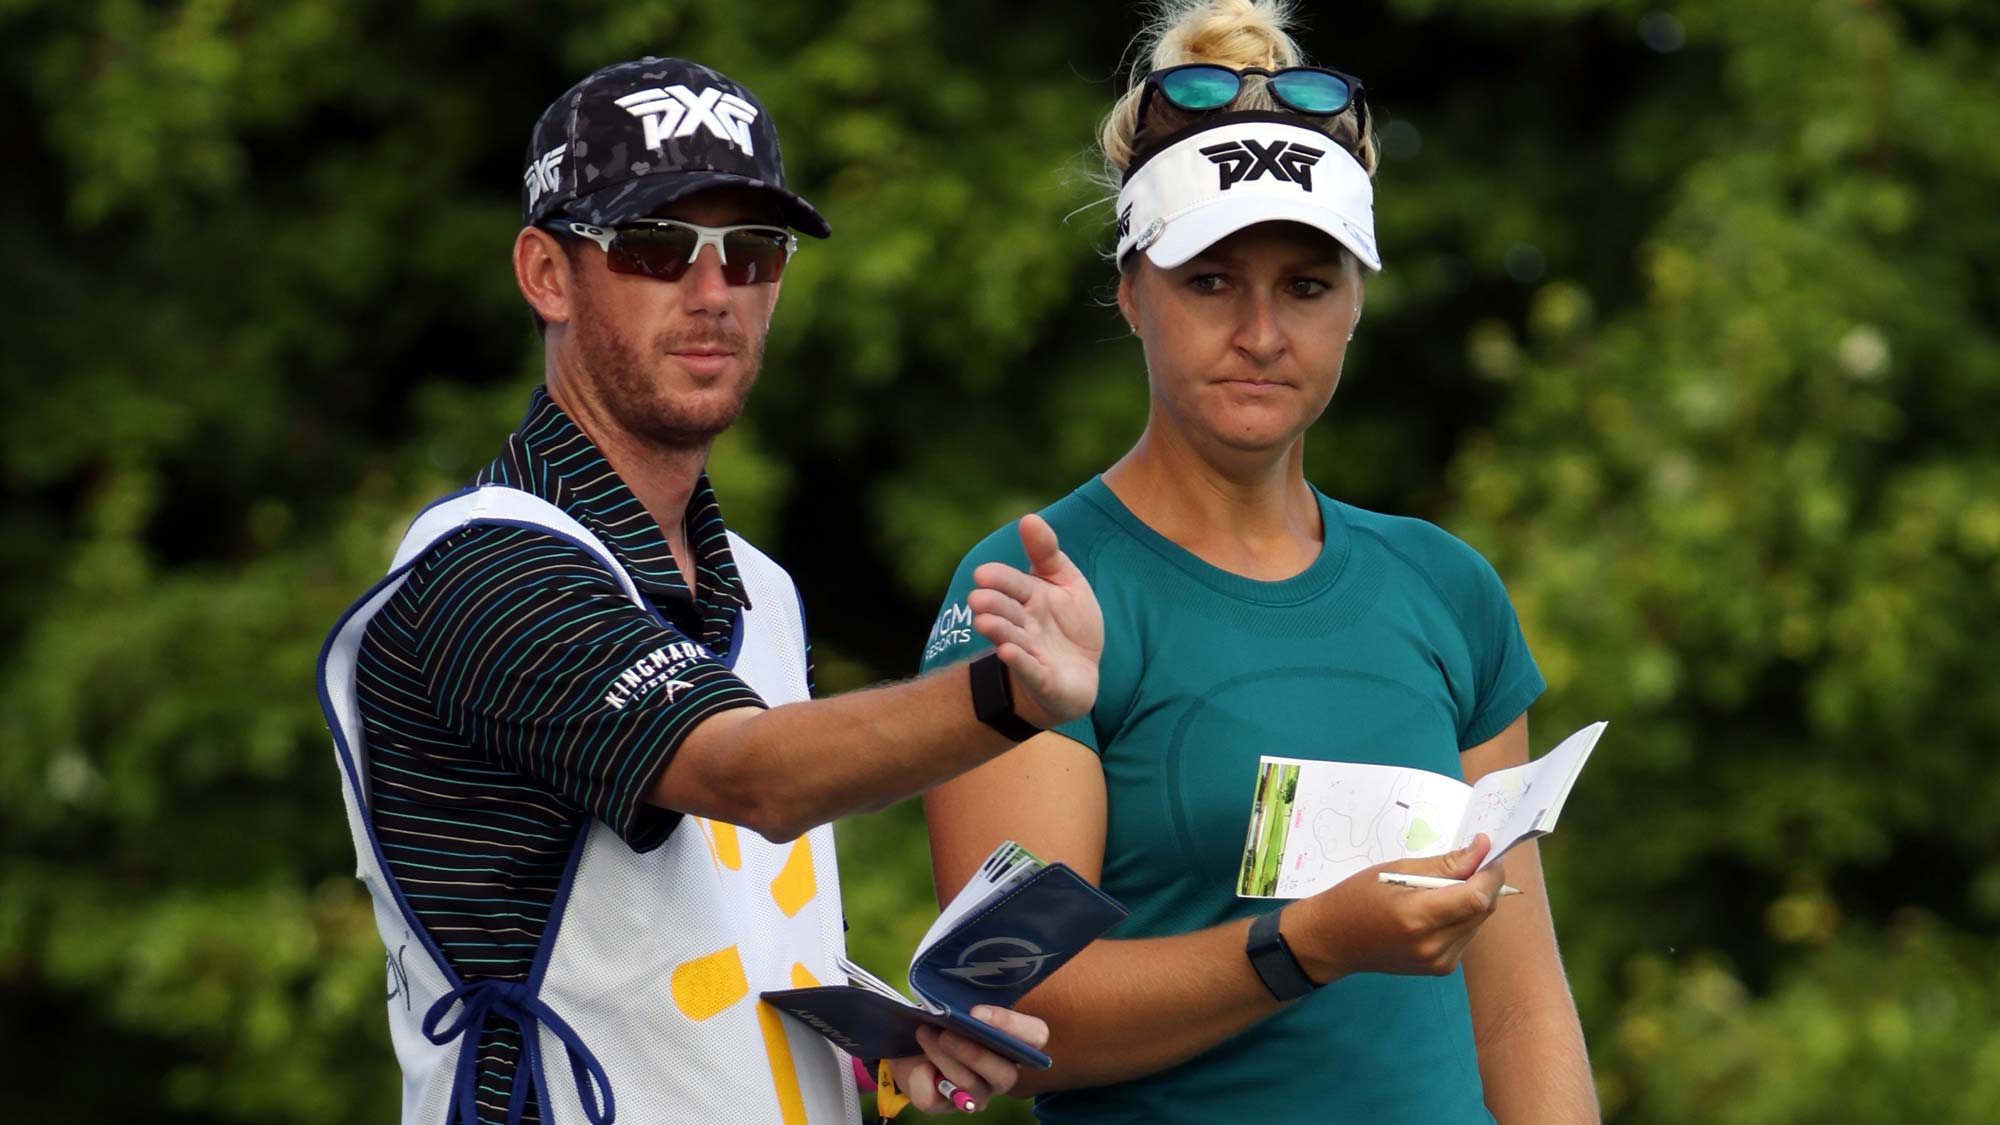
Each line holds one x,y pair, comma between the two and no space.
677,422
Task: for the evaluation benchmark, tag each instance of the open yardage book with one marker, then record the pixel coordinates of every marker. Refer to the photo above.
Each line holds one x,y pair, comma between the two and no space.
1313,824
1008,928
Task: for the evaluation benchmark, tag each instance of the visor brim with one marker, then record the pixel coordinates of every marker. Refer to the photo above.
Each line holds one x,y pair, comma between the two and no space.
1190,234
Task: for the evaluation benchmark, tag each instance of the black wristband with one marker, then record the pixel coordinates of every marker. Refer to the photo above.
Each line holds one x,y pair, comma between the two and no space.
993,699
1273,959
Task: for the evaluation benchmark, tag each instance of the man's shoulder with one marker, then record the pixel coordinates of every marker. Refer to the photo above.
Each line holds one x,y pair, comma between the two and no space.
488,560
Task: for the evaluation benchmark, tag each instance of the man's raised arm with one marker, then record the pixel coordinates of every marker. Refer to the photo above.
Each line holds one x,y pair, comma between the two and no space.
781,772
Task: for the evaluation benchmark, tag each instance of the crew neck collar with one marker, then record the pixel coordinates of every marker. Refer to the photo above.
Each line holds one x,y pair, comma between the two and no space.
1315,579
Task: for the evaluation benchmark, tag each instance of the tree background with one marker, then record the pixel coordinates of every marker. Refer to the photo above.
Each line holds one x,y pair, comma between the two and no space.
1688,324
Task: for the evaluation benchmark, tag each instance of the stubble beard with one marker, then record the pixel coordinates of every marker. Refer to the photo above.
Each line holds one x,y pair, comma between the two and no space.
640,402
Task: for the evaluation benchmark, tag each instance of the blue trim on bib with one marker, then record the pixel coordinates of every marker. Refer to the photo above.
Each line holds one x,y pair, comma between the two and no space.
736,643
483,998
361,792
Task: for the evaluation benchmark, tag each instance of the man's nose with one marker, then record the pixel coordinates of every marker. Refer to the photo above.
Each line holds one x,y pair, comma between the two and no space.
703,288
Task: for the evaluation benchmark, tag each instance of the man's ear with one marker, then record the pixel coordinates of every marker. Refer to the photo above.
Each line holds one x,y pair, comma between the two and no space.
542,271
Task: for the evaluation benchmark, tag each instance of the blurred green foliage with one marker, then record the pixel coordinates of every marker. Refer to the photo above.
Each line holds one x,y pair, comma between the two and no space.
1688,324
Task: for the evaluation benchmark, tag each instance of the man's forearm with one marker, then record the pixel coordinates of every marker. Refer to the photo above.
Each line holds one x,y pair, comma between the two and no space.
783,771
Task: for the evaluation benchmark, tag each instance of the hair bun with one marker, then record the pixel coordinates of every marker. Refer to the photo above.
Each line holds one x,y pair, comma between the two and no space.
1234,33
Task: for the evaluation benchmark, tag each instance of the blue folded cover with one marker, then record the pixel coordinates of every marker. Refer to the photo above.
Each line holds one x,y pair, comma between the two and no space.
996,957
869,1025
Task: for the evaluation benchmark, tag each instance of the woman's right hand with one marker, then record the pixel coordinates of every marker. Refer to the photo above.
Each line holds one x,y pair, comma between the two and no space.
1363,925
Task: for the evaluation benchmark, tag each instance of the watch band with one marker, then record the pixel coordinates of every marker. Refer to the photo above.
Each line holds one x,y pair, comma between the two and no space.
1273,959
993,699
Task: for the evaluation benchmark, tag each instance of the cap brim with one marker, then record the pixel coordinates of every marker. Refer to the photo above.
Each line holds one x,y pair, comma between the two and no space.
1190,234
641,197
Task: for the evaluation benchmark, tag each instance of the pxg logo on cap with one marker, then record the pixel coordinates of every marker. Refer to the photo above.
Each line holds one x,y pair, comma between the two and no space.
635,136
673,112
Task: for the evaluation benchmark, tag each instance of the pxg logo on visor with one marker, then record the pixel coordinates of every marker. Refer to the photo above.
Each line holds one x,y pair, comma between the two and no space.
1232,170
1285,161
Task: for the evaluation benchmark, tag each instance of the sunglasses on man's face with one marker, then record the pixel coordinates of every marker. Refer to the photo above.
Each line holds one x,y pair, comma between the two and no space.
751,253
1201,87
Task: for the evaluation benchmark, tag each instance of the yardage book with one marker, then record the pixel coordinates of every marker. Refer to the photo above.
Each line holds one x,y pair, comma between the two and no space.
1014,923
1315,823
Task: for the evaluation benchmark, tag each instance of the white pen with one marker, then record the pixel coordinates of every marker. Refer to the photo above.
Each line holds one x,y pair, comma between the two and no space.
1431,882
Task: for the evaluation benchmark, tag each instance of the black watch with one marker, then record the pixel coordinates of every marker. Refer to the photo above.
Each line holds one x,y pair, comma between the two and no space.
993,699
1273,959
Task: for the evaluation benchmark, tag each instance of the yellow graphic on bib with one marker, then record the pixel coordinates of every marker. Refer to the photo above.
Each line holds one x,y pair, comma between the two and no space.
728,852
794,886
784,1072
707,985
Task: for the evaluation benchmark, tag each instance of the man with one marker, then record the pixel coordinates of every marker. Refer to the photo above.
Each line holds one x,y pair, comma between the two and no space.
576,683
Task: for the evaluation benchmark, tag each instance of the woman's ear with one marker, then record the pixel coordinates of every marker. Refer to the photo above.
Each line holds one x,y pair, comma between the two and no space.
1128,304
1359,288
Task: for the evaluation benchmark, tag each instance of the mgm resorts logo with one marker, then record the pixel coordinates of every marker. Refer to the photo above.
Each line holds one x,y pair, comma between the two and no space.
1284,161
953,627
999,962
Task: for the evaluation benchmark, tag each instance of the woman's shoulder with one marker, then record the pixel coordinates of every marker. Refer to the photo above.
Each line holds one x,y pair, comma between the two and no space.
1079,526
1424,549
1080,523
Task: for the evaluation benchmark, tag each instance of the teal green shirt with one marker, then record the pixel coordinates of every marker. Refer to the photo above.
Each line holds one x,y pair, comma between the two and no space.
1397,646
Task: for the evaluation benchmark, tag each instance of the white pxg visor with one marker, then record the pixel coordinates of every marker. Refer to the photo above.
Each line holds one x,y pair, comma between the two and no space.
1229,172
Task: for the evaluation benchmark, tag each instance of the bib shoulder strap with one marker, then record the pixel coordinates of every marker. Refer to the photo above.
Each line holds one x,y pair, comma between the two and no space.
769,586
513,507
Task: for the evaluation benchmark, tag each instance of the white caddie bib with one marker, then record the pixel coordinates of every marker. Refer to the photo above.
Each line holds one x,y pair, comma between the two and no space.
642,1003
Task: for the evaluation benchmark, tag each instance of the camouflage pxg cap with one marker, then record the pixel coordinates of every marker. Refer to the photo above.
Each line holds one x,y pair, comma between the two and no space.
635,136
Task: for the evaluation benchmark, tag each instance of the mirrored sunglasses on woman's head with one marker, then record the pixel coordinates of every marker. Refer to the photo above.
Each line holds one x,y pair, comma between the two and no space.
666,248
1203,87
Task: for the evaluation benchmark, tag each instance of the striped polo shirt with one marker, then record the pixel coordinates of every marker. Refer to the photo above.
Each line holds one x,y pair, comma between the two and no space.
510,691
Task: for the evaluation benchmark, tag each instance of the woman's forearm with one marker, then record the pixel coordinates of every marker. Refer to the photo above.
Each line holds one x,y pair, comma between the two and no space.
1125,1009
1534,1067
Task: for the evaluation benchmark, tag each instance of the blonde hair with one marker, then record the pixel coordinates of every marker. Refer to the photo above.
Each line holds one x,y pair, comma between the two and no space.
1231,33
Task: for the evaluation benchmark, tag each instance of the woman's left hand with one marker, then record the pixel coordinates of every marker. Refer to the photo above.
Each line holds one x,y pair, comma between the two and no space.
972,1068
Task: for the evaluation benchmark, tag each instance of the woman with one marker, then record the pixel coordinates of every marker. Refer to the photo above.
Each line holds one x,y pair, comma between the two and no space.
1248,614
